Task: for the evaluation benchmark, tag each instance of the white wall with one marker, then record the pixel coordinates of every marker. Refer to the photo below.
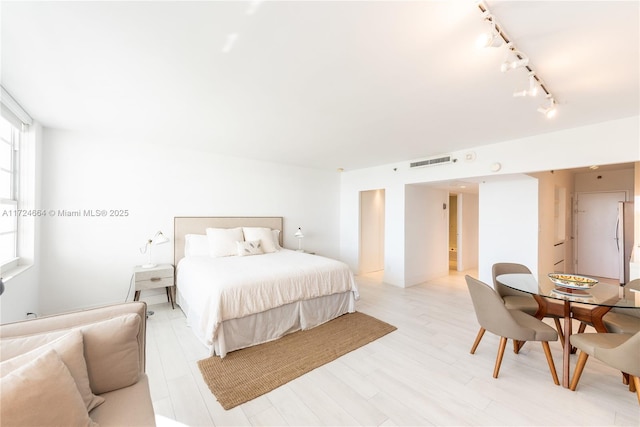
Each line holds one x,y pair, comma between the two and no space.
605,180
87,261
426,234
634,268
603,143
371,231
394,254
548,253
468,219
508,218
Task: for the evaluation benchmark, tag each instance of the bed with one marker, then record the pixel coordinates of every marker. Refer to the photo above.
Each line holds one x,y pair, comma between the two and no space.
232,301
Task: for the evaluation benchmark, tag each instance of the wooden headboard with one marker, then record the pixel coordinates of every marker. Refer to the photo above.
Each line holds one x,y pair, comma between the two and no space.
183,225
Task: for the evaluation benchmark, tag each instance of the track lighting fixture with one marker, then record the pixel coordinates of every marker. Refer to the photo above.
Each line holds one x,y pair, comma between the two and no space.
515,59
533,87
490,39
512,65
550,110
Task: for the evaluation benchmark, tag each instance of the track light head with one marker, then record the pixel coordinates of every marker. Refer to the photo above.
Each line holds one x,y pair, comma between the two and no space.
549,111
512,65
533,87
493,37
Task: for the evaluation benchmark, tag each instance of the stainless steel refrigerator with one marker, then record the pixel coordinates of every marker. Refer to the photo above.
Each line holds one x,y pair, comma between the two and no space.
624,238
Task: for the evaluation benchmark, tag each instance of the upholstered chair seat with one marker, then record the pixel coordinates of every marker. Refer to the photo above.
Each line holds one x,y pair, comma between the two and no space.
517,325
620,351
624,320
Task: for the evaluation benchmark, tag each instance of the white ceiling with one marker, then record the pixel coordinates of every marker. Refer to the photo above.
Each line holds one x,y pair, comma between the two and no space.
325,84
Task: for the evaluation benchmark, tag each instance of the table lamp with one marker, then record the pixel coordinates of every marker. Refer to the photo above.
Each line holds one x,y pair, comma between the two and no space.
157,239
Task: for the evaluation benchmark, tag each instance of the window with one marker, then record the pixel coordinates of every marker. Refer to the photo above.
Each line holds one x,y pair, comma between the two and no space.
9,142
17,187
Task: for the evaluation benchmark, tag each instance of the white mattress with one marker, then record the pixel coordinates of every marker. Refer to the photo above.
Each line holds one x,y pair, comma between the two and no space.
216,290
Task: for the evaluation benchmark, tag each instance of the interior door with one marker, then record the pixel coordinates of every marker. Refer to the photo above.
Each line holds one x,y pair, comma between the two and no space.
596,249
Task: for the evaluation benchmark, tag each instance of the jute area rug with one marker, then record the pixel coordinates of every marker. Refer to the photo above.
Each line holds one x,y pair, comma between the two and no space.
243,375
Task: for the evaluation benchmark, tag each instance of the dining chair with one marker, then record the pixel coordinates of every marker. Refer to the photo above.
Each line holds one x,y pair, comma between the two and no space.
624,320
517,325
515,299
620,351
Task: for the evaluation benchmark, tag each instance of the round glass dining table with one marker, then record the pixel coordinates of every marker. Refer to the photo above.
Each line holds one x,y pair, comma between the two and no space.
602,297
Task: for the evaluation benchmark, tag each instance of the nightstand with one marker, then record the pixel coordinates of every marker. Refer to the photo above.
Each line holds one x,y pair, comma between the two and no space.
160,276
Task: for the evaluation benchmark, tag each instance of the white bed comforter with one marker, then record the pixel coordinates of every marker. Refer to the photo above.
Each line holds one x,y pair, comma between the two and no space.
219,289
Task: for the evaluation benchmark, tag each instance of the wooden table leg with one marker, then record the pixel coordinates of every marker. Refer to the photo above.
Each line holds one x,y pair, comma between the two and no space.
592,316
566,351
542,307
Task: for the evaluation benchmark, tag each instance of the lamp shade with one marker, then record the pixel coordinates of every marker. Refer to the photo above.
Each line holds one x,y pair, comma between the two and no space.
299,235
159,238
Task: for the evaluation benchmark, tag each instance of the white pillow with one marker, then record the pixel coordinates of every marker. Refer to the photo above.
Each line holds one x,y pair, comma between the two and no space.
196,245
222,241
251,247
276,239
263,234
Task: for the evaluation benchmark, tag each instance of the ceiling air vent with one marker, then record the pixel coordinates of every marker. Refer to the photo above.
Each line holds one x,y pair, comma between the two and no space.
431,162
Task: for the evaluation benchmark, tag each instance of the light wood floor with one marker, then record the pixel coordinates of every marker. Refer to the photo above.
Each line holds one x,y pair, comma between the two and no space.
421,374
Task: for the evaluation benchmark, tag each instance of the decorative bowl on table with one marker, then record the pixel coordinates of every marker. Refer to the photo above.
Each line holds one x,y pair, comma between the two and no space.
572,281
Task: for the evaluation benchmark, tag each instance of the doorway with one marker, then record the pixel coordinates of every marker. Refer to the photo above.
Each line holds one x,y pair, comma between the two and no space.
463,231
372,206
596,250
453,231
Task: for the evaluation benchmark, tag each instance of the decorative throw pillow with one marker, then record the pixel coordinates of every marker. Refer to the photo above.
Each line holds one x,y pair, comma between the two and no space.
42,393
222,241
112,353
253,247
12,347
263,234
70,349
110,349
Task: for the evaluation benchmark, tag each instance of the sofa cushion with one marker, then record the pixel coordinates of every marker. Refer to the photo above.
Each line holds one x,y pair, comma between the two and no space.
42,393
71,351
110,349
12,347
128,406
112,354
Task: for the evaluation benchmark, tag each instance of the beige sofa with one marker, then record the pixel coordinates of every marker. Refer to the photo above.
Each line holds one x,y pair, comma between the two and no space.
77,368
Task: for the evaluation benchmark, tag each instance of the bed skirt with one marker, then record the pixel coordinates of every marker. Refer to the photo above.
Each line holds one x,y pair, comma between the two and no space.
234,334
